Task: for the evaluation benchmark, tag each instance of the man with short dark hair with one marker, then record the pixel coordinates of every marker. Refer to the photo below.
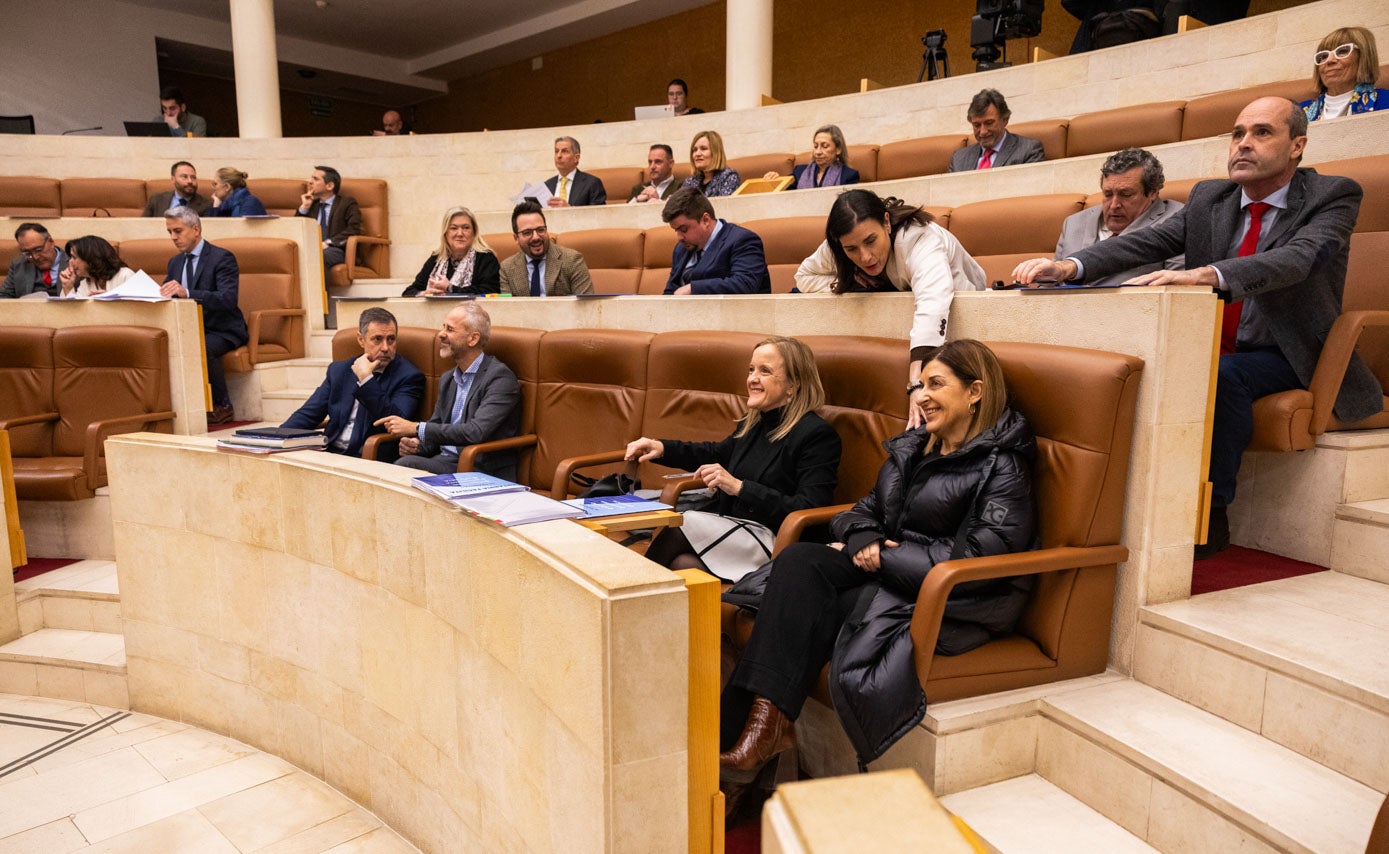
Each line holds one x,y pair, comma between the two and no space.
1274,240
362,390
208,275
713,256
542,268
660,176
569,186
1130,181
173,111
339,217
994,146
479,400
183,194
35,270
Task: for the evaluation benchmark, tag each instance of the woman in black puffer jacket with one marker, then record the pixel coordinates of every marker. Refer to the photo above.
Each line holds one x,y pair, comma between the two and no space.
958,486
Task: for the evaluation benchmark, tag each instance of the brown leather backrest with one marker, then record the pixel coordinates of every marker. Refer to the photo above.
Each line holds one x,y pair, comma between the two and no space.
863,158
1177,191
279,195
102,196
503,243
1082,457
787,242
590,396
618,181
999,267
370,194
421,348
1213,115
345,344
696,389
613,256
1372,174
269,277
150,254
26,386
911,158
1007,226
1141,125
865,392
27,196
1365,291
940,214
757,165
1050,132
657,248
519,349
102,372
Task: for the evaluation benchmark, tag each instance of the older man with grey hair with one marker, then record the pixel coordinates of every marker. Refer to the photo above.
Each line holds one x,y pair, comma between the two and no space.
1130,181
572,188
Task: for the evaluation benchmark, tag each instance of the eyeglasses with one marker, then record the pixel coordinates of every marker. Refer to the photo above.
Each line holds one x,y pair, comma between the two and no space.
36,251
1321,56
532,232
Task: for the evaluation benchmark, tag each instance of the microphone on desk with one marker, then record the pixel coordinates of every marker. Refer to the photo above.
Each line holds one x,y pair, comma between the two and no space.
80,130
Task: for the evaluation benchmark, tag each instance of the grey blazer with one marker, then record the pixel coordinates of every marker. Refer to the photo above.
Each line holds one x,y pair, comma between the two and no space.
1015,149
24,278
1080,230
492,411
1296,281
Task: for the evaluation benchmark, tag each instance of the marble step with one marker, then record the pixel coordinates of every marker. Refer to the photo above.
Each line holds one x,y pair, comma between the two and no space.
373,289
276,406
1300,661
1183,779
292,373
1360,540
321,344
1029,814
83,596
66,664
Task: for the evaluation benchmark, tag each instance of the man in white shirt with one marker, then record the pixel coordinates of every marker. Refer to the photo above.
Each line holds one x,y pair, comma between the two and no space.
660,174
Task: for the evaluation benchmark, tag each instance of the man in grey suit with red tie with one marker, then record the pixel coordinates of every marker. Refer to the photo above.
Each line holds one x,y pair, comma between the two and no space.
994,146
1273,240
339,217
208,275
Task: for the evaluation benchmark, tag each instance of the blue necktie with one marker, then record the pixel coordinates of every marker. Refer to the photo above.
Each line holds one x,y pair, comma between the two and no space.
536,289
190,269
323,221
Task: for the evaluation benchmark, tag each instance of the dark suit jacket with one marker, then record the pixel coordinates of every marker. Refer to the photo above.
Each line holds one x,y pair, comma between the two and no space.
344,221
493,411
670,188
24,278
846,176
159,203
565,273
585,189
1015,149
734,264
1296,281
396,390
486,276
214,287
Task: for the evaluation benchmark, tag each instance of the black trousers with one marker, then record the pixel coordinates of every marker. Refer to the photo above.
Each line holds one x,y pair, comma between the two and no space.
810,592
218,345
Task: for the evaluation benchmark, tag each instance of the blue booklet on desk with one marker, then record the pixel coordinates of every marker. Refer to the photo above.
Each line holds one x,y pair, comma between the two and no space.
615,505
465,484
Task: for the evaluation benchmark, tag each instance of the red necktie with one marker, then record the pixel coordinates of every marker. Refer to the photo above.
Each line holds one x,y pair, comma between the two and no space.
48,277
1229,322
987,161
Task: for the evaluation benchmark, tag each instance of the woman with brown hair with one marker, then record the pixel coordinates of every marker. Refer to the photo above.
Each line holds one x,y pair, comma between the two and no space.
93,268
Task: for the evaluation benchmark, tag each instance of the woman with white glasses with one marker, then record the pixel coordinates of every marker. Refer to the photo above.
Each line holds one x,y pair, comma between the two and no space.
1345,69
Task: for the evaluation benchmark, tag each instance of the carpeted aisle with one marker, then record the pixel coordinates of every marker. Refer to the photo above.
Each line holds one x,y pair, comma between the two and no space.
40,565
1238,567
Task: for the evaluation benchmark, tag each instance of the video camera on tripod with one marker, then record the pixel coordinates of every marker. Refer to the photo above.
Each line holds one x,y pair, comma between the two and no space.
996,21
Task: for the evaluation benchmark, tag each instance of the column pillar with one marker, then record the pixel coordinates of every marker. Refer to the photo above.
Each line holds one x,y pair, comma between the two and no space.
257,68
748,57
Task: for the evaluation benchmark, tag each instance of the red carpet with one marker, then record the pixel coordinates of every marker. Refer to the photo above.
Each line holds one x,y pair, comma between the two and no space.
230,425
40,565
746,838
1238,566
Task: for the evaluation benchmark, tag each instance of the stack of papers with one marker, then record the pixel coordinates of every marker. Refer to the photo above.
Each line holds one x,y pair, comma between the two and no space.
138,287
615,505
493,499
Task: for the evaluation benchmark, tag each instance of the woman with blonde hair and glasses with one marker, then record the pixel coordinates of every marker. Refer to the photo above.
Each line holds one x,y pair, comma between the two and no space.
463,263
712,174
1345,69
782,457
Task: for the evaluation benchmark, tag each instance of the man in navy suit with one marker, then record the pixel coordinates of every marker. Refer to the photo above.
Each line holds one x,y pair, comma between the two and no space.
572,188
713,256
360,391
207,274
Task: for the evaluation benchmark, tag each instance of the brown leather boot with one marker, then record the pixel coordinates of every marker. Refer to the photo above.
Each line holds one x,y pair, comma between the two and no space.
768,734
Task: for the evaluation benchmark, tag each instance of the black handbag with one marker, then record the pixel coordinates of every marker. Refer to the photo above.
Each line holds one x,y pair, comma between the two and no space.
605,486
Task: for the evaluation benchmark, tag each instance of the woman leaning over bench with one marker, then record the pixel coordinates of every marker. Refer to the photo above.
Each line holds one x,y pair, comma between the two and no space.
876,244
781,458
958,486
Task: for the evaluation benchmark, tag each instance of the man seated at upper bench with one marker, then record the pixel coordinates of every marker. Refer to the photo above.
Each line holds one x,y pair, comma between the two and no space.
184,192
994,146
714,256
339,217
361,390
542,268
1130,181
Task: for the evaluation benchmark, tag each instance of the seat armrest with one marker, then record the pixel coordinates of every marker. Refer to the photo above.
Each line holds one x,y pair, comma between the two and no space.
1333,361
794,525
21,420
930,600
670,493
97,431
467,456
370,448
351,252
559,487
253,328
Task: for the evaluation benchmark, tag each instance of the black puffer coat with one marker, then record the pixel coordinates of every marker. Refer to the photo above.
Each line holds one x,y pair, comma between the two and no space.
983,489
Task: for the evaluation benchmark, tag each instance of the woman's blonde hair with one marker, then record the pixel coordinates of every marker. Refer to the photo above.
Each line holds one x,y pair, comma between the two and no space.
802,375
458,210
971,361
232,177
1366,54
717,161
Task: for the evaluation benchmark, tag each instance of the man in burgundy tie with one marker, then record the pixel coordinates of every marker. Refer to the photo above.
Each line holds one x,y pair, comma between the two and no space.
994,146
36,268
1274,240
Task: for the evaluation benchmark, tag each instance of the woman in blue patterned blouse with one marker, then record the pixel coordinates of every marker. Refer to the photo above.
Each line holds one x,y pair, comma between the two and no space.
712,175
1345,69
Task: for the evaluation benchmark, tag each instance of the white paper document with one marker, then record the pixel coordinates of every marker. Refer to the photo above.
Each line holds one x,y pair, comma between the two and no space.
536,190
138,287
